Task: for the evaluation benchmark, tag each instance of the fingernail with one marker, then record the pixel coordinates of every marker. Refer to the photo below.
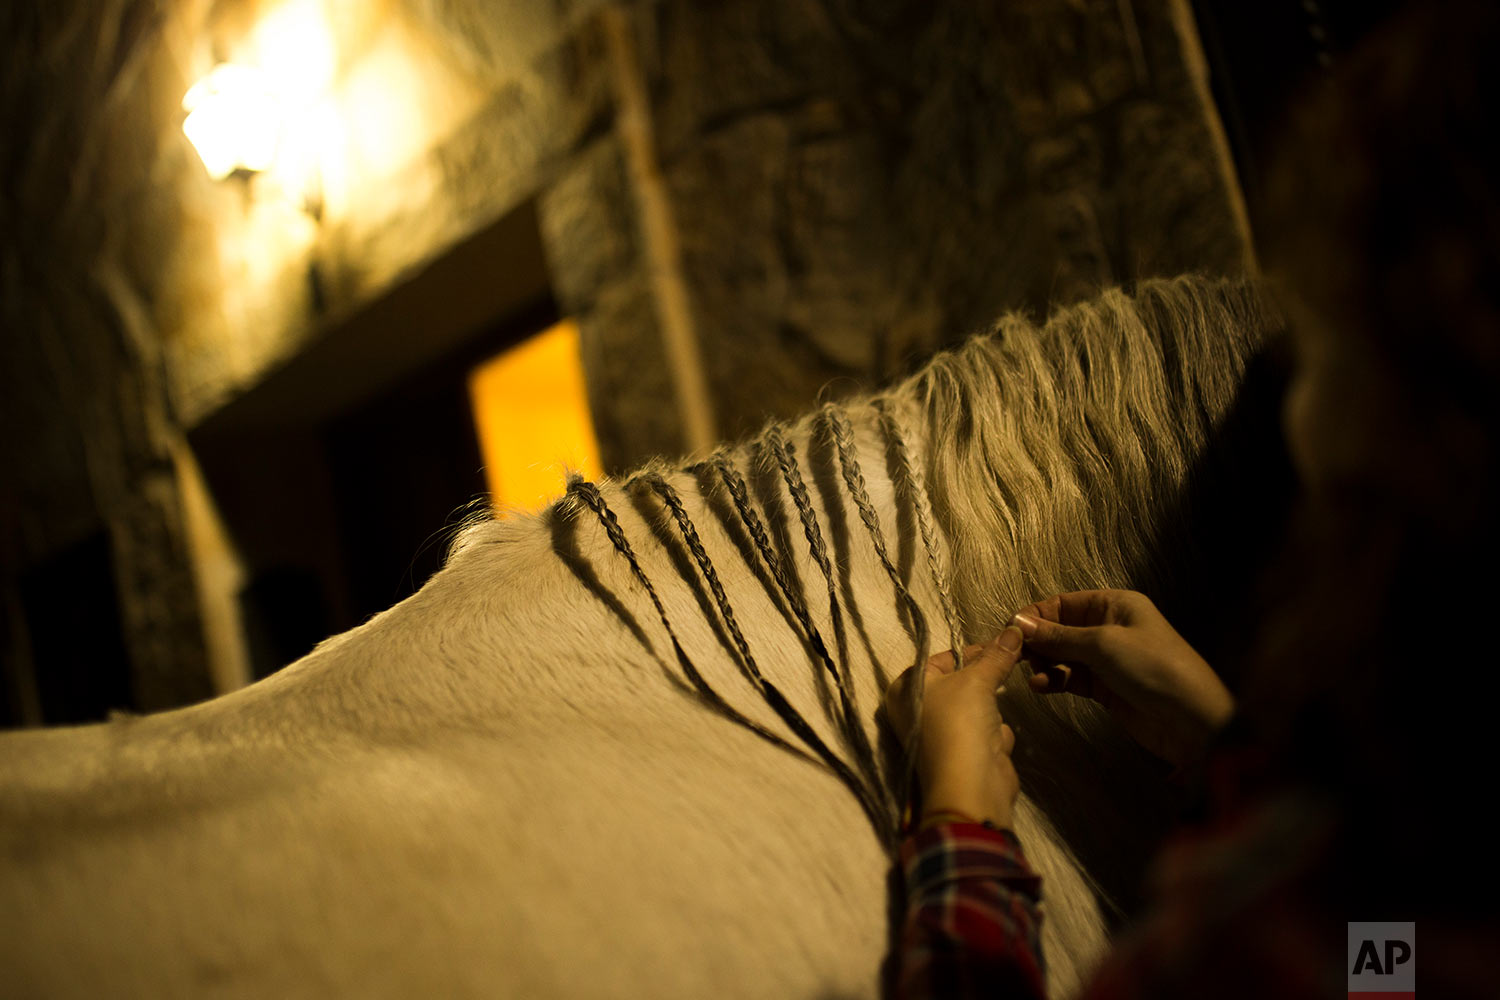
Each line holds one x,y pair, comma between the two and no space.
1026,624
1009,640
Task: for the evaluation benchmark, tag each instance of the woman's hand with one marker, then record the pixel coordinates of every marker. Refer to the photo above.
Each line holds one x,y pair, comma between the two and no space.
963,756
1115,647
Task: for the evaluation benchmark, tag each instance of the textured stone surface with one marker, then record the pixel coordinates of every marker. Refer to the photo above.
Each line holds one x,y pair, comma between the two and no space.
857,185
600,278
82,385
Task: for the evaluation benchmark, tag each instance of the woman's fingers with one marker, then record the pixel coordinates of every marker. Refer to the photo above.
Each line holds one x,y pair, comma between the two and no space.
997,656
1076,608
898,695
985,667
1007,739
1051,679
1087,608
1060,642
1072,648
1059,677
944,662
1116,648
898,700
996,659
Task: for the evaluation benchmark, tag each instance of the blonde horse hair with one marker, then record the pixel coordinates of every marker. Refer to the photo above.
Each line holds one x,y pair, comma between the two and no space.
1025,427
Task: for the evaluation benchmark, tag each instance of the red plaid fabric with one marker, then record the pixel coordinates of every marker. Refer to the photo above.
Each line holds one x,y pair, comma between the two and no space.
972,925
1232,919
1249,904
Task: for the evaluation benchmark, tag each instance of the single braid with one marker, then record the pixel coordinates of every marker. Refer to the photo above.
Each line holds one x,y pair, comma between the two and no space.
781,451
589,495
878,815
855,730
854,479
910,482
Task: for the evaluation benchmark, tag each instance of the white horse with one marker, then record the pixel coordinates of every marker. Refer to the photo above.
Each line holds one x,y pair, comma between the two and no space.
629,747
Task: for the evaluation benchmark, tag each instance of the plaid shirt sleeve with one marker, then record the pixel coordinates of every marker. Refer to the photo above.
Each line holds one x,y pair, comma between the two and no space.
972,923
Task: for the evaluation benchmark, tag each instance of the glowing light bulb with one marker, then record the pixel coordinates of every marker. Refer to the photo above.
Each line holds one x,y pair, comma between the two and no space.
234,120
240,113
295,45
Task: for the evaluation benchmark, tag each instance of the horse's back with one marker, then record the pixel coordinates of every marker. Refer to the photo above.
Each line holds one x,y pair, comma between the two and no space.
570,846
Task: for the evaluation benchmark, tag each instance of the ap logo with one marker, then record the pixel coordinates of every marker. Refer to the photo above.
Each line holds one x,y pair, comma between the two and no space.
1382,961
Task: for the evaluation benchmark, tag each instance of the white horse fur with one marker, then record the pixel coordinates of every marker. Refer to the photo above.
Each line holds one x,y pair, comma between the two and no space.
505,786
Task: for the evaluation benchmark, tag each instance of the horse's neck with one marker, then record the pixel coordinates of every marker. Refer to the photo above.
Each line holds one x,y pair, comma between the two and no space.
783,583
520,754
537,617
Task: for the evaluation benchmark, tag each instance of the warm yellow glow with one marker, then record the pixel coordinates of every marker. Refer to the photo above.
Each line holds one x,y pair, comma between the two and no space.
532,414
398,103
390,105
234,120
294,45
249,115
331,100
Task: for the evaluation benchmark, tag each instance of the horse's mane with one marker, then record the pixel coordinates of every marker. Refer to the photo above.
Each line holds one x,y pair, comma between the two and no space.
1063,449
1033,459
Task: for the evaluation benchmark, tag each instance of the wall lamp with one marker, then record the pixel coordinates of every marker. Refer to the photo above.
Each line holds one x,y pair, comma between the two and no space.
234,120
271,108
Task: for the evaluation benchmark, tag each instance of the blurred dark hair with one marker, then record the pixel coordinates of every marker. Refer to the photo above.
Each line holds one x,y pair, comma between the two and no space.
1375,683
1382,214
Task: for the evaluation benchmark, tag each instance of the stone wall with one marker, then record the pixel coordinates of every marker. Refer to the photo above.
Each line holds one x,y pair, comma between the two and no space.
815,195
862,184
87,426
